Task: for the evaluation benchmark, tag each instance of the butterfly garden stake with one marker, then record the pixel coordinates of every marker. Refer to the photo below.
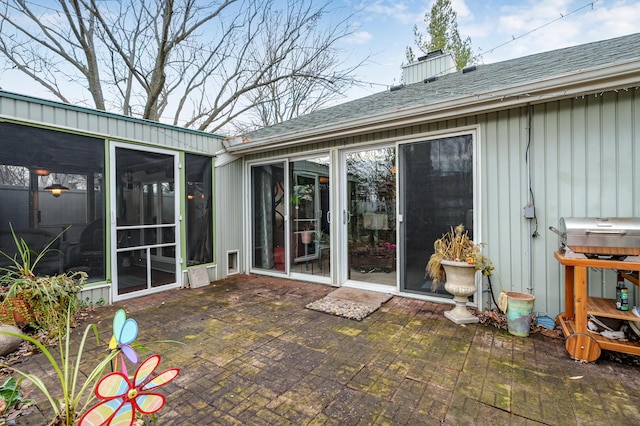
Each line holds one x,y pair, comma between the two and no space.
125,331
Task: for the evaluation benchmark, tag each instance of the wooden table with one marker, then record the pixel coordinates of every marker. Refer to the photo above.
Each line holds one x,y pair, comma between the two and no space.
580,342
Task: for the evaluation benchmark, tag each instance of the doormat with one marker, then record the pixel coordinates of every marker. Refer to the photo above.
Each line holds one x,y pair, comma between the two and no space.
350,303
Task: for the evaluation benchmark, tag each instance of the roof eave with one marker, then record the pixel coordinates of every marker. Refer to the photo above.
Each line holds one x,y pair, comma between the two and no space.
107,114
582,82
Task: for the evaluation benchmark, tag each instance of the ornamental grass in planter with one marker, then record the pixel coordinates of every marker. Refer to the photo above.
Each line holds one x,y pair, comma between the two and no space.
456,246
456,260
40,302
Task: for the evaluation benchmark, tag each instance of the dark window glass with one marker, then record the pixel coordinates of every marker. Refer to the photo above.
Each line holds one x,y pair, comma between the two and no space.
50,180
437,193
199,199
267,217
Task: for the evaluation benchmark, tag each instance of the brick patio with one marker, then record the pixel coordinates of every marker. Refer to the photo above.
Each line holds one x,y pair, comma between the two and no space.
253,355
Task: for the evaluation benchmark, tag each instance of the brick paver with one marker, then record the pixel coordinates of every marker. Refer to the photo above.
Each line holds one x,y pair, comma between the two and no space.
251,354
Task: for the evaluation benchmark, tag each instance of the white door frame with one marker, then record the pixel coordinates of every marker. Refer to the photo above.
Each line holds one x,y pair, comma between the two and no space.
342,242
114,250
475,133
285,161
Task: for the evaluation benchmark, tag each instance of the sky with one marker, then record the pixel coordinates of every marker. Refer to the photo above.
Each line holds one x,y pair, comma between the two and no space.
499,30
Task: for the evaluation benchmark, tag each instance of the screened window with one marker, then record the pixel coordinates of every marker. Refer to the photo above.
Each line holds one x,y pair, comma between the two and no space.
199,206
53,180
436,194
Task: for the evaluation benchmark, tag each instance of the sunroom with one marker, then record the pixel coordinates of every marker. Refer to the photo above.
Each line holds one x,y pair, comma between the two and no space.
130,201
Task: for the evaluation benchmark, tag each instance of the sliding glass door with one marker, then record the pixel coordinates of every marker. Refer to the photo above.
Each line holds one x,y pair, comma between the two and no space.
309,207
369,216
268,217
290,216
394,202
436,193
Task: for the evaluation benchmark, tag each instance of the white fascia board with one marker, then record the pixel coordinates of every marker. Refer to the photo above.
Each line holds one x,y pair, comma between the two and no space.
610,77
223,158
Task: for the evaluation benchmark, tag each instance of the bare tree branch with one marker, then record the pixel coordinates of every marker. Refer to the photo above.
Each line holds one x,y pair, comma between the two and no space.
204,63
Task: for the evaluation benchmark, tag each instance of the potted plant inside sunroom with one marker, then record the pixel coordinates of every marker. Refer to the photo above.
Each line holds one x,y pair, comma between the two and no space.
302,193
40,302
456,260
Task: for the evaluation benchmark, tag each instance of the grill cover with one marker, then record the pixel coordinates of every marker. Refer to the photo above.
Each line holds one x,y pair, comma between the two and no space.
619,236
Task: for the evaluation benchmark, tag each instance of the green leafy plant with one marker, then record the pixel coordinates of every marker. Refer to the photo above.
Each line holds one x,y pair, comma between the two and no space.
51,297
25,260
87,303
301,193
41,301
321,236
456,246
75,397
10,395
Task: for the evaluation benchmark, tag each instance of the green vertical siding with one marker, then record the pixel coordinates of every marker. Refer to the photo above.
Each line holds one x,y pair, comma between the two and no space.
582,157
583,152
229,217
112,126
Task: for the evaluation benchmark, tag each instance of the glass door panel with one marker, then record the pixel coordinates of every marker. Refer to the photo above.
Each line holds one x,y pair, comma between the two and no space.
309,207
268,217
290,217
436,181
371,216
146,228
199,205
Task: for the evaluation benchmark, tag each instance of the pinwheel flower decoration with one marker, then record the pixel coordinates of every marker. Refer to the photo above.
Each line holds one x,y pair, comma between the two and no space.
122,398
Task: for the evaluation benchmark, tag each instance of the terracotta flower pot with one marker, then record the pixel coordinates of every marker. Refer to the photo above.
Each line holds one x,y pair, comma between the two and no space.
15,310
306,237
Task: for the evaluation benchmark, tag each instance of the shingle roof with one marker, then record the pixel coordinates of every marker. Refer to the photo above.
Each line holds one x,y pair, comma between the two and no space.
489,77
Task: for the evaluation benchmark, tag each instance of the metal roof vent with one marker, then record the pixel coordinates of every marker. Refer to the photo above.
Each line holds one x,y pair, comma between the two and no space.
469,69
430,79
431,54
397,87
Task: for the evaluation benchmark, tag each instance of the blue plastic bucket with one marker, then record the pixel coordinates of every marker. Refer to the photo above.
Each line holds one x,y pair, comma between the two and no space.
519,309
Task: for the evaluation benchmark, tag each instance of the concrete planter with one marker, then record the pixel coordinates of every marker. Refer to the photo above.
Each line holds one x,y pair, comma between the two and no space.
461,282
